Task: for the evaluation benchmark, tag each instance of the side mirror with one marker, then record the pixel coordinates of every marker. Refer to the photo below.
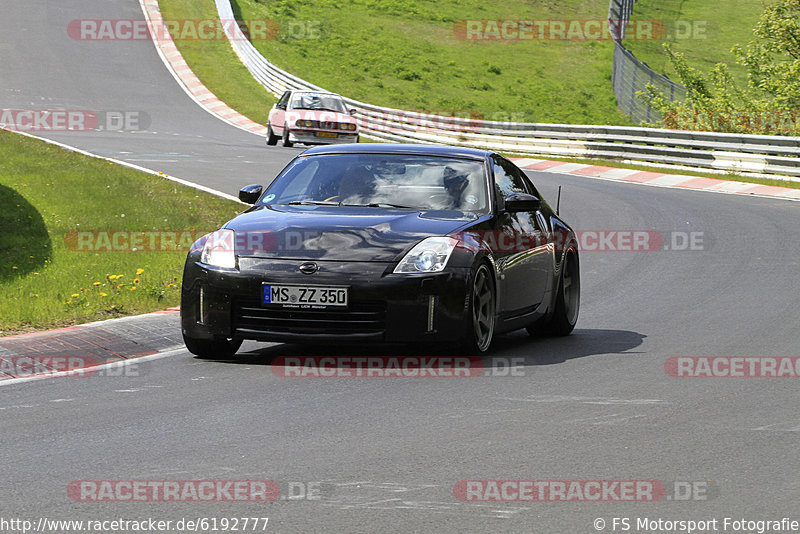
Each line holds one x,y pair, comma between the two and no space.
522,202
249,194
353,111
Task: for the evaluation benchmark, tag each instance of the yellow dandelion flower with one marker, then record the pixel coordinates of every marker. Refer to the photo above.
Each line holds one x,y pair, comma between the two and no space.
96,283
14,267
34,272
75,295
35,294
119,286
133,288
139,271
136,280
103,294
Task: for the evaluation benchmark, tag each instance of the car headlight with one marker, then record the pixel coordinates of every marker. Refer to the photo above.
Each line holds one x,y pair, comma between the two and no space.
428,256
219,249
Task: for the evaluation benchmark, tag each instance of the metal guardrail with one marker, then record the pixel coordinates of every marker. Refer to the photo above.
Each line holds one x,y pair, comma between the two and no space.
755,155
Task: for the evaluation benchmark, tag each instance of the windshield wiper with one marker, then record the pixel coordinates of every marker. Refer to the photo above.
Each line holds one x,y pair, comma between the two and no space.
381,205
313,203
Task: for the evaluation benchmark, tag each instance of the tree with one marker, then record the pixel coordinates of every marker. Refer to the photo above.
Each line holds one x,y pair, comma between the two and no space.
773,60
767,104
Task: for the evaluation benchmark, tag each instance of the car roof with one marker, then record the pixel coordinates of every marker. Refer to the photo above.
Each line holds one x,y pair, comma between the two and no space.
407,149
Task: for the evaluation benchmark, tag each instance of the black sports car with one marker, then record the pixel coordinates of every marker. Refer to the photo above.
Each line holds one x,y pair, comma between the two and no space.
384,243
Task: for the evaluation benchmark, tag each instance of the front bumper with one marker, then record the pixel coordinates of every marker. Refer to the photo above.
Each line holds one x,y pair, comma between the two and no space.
310,137
383,307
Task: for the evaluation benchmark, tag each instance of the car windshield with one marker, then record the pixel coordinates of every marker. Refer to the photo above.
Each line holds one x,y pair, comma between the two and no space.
418,182
320,101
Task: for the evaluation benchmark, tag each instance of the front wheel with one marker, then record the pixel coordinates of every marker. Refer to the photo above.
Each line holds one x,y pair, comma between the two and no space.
216,349
481,317
286,141
568,299
272,139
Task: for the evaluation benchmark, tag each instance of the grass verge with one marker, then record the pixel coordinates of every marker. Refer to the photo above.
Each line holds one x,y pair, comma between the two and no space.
704,32
47,195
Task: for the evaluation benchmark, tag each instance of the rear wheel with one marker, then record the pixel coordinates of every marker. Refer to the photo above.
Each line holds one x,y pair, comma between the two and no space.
217,348
568,299
481,317
272,139
286,141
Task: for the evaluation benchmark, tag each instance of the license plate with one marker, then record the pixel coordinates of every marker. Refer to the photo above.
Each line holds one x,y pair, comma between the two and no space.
316,297
326,134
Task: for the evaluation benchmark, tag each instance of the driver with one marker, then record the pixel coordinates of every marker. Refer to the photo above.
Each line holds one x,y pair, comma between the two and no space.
455,184
357,183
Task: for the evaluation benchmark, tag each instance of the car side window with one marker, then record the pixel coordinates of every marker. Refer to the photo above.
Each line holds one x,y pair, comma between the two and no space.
528,184
284,100
506,180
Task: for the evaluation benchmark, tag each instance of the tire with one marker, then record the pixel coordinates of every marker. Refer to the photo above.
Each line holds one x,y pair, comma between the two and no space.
481,316
272,139
216,349
568,299
286,141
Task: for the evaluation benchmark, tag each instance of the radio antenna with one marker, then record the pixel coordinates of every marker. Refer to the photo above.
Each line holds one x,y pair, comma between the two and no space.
558,202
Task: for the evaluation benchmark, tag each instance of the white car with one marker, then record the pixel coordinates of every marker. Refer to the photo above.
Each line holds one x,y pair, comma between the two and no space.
311,118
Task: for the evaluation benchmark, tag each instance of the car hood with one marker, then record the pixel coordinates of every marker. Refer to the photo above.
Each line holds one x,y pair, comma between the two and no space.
339,233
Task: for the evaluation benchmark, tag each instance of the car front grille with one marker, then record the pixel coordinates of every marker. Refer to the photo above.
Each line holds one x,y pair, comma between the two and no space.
366,317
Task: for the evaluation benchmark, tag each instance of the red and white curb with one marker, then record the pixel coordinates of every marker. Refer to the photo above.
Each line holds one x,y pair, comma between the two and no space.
676,181
82,326
92,342
190,83
199,93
